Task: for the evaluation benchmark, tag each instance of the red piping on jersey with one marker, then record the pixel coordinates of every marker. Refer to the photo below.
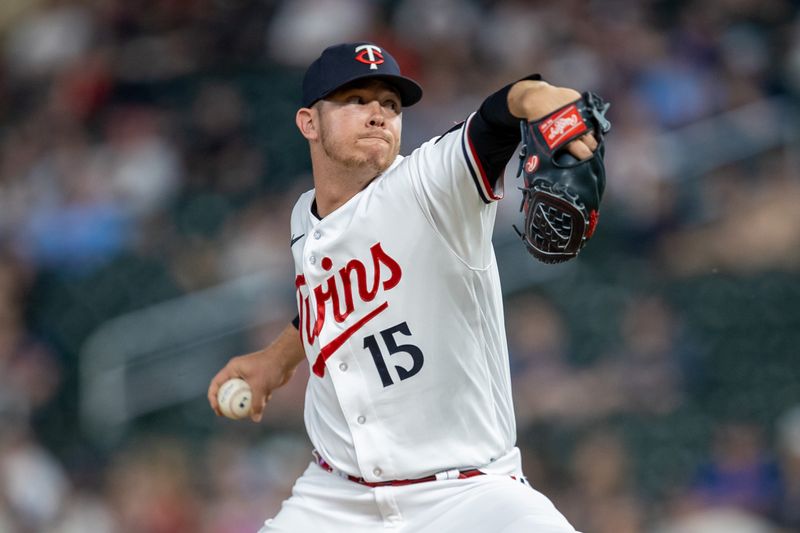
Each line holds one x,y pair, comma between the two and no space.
486,185
328,349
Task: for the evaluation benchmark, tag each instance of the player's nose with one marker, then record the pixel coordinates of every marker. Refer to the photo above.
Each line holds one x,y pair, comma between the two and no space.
376,117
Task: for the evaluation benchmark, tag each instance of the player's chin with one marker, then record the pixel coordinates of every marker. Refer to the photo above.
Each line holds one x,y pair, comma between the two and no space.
379,160
383,163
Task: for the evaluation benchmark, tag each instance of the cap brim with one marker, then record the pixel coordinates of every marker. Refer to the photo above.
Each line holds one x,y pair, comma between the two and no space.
410,91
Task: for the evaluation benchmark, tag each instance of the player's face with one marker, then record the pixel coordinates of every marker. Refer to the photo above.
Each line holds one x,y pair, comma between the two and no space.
360,126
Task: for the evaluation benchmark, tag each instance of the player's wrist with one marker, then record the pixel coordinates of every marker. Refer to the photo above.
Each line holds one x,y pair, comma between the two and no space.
534,99
520,96
274,359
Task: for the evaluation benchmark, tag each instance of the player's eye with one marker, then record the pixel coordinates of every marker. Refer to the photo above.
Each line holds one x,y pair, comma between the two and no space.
392,104
355,99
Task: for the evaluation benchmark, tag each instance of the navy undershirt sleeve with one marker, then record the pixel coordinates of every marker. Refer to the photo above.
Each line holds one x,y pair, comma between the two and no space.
494,132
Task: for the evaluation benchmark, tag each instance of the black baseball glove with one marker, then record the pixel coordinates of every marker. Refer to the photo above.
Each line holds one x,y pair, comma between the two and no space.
561,195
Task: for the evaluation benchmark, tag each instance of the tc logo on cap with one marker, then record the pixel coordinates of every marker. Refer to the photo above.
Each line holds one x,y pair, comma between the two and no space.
369,54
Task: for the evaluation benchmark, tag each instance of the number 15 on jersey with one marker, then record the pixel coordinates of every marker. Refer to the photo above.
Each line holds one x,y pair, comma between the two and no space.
393,351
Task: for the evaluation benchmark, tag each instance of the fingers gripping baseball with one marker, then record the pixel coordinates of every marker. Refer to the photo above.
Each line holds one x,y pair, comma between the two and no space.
251,369
264,371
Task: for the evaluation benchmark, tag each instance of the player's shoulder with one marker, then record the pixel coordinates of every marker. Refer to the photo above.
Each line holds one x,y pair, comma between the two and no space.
442,146
399,163
302,206
452,136
456,128
305,200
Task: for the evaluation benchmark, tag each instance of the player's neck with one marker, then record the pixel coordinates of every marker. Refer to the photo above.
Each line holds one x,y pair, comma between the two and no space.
334,187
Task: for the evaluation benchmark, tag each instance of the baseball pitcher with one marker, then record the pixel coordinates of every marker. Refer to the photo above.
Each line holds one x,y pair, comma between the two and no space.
400,314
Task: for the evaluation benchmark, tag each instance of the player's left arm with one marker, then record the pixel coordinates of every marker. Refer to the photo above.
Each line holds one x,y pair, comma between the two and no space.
458,176
494,130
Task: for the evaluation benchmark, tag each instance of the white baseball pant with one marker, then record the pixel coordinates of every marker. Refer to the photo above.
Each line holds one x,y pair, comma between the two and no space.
322,502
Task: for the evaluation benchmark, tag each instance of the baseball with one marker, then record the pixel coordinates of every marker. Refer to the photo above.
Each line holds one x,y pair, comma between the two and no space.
234,398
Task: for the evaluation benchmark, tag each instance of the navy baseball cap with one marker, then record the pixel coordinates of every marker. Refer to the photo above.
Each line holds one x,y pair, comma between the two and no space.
343,63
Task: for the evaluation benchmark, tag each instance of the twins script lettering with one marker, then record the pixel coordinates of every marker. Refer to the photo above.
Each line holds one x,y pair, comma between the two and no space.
337,294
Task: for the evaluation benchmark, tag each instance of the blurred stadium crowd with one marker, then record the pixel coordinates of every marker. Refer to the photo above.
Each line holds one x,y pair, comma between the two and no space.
147,151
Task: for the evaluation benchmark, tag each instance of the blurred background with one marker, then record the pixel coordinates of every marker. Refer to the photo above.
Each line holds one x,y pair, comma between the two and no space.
148,165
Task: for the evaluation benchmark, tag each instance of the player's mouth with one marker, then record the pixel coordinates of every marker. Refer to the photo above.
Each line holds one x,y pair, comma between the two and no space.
376,138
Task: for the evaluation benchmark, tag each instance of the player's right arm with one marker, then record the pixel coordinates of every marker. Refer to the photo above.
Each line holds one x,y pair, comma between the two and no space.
264,370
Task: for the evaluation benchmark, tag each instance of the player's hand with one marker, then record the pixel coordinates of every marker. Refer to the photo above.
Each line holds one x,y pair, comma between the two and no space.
264,370
534,99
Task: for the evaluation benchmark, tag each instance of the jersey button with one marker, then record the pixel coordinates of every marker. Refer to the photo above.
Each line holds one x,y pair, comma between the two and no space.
377,472
343,367
361,419
317,235
312,259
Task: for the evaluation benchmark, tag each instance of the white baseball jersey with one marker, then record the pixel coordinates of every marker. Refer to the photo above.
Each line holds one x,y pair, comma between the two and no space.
401,317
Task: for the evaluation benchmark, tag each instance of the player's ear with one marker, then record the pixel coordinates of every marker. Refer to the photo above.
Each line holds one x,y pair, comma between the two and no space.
306,120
